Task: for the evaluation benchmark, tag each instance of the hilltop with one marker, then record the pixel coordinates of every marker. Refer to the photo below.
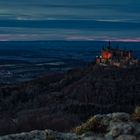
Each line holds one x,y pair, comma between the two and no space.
62,101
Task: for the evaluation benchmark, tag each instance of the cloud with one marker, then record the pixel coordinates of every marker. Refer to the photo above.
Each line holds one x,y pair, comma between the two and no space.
63,19
27,37
70,9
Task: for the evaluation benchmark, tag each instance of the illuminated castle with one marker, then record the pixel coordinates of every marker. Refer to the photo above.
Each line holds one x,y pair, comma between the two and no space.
116,57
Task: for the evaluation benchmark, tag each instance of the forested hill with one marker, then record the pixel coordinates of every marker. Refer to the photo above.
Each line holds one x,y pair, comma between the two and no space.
62,101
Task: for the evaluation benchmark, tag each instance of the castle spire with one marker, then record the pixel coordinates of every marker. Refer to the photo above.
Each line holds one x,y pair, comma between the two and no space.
109,45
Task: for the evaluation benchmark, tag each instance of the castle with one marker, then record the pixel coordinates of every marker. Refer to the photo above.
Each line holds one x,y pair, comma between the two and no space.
116,57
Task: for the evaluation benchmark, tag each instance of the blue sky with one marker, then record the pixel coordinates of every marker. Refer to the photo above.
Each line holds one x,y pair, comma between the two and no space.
70,20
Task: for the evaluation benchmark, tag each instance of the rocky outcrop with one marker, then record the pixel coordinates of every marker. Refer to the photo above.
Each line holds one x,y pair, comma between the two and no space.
118,126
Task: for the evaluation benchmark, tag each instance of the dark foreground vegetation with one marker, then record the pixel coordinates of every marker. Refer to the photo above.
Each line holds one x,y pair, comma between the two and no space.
62,101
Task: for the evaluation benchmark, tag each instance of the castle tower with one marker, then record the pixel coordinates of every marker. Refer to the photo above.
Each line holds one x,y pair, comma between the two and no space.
109,45
130,54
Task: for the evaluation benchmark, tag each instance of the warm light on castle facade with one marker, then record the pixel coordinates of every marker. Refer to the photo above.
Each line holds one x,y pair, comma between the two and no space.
116,57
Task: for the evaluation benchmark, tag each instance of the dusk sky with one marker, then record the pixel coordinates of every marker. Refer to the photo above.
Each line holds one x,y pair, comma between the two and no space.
70,20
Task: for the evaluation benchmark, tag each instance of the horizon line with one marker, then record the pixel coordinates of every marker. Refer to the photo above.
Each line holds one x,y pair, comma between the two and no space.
41,40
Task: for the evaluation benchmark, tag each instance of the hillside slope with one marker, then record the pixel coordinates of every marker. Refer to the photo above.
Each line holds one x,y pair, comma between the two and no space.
62,101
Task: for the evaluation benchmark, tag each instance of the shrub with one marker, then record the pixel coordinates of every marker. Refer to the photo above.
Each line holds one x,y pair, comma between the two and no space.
136,114
92,124
50,137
